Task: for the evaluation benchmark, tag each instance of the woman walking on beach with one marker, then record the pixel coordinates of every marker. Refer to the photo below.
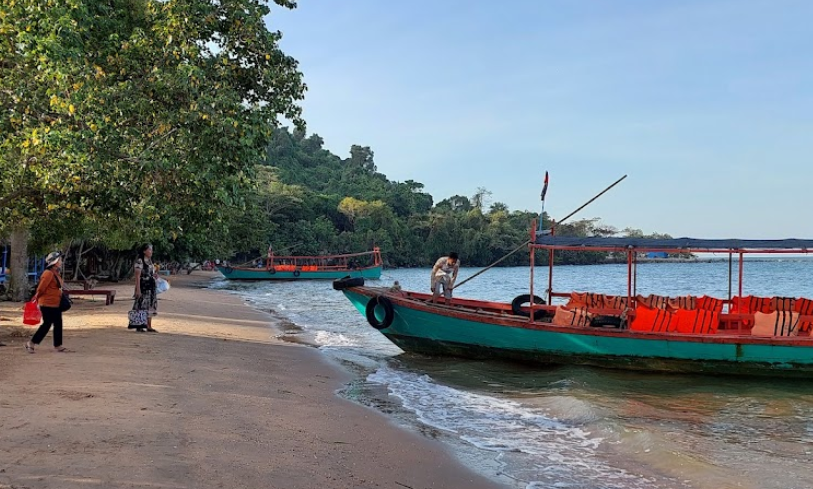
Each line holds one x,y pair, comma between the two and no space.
48,296
145,280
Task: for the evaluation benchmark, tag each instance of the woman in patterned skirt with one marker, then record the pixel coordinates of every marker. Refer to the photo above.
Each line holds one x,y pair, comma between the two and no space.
146,298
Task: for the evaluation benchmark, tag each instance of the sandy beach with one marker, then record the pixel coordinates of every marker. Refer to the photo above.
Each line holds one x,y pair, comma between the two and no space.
212,401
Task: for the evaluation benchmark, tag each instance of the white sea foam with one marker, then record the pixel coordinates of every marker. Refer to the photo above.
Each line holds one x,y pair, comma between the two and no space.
355,357
545,446
328,338
553,453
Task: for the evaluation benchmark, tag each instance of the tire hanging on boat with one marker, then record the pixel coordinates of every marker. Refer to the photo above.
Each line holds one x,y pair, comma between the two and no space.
347,282
272,271
389,312
516,306
228,270
606,321
296,273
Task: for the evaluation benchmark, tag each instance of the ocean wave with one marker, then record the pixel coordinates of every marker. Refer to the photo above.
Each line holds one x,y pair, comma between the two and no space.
545,451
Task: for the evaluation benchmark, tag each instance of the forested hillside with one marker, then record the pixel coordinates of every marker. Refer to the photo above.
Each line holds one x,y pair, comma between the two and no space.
311,201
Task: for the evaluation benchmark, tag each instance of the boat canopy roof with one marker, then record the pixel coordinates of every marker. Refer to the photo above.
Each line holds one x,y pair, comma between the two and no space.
675,244
322,257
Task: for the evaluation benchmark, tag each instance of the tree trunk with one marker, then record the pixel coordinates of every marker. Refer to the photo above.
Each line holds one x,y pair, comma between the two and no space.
116,271
78,260
19,263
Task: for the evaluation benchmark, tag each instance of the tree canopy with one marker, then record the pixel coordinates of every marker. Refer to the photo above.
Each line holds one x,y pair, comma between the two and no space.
144,117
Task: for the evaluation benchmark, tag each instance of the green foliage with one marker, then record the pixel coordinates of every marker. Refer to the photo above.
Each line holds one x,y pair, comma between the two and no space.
346,205
145,114
128,121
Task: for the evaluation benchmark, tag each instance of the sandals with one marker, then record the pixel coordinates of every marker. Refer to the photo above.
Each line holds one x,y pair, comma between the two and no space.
152,330
30,348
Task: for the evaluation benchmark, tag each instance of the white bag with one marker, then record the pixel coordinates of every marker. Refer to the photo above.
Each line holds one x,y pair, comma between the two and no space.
161,285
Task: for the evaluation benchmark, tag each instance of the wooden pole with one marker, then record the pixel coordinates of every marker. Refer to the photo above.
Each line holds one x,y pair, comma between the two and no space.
495,263
591,200
530,240
531,288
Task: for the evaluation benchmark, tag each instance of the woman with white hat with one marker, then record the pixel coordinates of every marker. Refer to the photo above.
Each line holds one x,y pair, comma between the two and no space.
48,296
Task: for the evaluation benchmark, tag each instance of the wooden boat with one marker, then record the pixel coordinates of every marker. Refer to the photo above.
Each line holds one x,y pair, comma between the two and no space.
361,265
735,335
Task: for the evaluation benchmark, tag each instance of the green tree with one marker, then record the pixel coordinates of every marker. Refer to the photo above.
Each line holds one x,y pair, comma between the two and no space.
455,203
358,210
144,114
362,157
478,201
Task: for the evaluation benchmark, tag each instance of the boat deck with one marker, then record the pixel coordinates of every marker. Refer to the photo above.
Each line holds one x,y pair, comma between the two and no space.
732,325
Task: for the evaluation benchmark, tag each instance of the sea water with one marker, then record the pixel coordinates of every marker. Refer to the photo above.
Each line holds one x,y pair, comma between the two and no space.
566,426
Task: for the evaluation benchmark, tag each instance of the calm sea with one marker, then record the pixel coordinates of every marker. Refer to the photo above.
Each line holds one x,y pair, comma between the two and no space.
572,427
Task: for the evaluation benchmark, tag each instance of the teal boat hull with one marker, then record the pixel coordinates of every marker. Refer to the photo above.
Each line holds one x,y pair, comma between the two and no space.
420,327
263,274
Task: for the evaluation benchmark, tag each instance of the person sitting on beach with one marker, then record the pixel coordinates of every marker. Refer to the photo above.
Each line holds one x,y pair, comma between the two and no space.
444,274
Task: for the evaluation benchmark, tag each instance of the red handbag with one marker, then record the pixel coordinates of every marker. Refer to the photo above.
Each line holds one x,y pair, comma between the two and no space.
31,313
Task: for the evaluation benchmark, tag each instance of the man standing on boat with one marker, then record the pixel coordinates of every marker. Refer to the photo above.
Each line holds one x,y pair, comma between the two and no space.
444,274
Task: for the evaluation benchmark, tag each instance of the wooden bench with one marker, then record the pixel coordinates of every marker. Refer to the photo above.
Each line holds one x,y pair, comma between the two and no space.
110,295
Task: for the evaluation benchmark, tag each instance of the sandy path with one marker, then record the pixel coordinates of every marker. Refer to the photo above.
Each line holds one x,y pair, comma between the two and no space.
212,401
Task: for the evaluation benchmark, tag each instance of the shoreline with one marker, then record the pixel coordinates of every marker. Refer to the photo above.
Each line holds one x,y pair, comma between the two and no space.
213,400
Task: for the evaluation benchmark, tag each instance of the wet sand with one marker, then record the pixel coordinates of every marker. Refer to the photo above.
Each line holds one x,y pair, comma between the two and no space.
212,401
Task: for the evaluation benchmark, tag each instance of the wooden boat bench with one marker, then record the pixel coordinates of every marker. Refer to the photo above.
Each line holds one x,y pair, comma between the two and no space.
109,295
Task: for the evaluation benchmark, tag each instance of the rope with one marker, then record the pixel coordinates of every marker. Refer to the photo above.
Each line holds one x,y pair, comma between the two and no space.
540,220
494,264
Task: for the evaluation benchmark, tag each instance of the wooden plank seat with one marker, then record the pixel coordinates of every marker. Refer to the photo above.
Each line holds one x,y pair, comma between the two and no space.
109,295
735,322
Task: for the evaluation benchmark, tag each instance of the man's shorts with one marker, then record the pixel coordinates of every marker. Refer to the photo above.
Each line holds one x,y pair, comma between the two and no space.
445,282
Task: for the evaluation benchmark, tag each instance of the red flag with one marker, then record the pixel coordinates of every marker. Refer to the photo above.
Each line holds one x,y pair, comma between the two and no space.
545,187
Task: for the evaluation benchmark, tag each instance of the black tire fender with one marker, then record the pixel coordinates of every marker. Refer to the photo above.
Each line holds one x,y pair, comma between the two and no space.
228,270
389,312
516,306
605,321
296,273
347,282
272,271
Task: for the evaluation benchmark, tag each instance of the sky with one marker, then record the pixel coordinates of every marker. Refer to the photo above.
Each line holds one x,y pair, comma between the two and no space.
706,105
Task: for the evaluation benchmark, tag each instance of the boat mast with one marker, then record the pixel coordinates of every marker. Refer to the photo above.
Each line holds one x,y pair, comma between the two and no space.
536,231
